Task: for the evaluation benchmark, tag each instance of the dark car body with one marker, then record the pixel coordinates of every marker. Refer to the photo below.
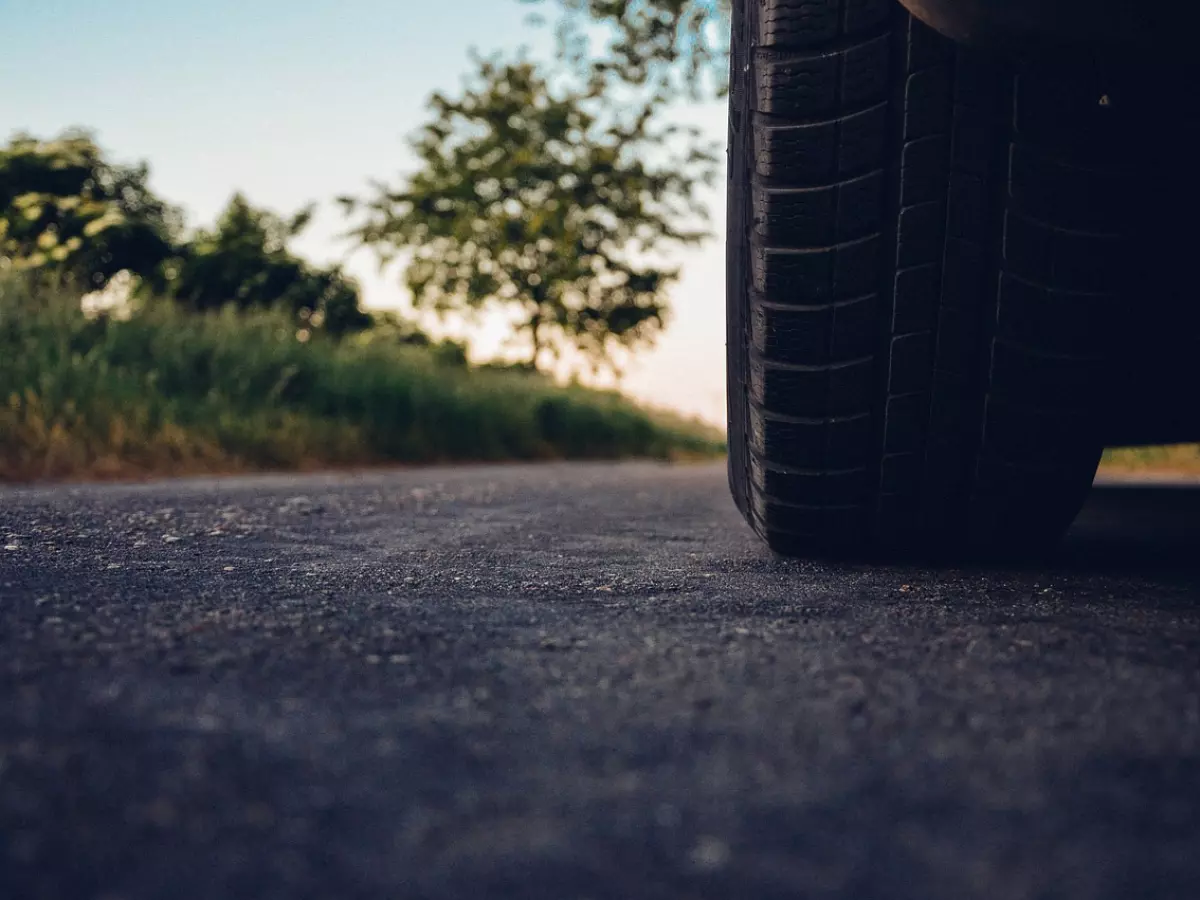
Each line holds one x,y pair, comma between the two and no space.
1151,44
1024,24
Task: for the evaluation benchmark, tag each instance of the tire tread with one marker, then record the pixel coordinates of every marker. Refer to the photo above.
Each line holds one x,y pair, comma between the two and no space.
911,257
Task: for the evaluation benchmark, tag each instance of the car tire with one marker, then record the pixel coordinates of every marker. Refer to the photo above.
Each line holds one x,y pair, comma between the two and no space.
925,273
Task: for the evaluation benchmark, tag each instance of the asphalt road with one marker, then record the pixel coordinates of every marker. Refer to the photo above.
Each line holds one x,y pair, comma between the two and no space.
580,682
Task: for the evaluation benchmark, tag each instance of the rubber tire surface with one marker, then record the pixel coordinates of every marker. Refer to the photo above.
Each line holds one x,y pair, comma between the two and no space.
925,271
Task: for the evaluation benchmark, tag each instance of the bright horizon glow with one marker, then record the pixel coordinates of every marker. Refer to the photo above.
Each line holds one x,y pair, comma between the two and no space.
292,103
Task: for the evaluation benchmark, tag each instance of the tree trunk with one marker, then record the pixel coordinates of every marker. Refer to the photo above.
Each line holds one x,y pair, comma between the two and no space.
535,326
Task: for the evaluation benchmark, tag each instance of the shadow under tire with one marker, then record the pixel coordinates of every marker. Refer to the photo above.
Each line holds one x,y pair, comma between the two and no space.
926,261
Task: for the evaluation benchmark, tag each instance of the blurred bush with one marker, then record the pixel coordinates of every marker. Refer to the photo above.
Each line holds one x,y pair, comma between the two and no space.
66,210
72,217
245,261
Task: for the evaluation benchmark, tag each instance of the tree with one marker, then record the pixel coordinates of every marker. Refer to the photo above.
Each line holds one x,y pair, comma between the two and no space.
68,212
672,46
245,261
65,210
534,197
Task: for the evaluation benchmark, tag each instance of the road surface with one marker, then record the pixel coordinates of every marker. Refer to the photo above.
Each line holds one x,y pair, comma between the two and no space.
580,682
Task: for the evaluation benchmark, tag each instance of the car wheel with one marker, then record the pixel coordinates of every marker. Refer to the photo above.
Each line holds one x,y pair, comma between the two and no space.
925,272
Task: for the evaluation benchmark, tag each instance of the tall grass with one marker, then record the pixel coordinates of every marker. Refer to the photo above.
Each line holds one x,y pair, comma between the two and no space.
1172,459
165,392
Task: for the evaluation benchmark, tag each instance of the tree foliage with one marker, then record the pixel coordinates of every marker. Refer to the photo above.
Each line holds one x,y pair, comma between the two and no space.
538,198
245,261
65,210
71,214
673,46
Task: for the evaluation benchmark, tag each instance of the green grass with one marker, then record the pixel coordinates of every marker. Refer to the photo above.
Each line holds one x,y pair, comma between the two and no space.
165,392
1173,459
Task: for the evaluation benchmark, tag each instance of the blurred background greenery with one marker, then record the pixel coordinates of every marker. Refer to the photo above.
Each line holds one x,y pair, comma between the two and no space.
133,342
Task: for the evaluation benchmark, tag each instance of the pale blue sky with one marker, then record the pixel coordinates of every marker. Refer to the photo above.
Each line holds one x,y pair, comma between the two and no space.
293,101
